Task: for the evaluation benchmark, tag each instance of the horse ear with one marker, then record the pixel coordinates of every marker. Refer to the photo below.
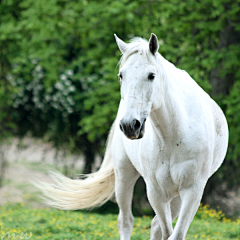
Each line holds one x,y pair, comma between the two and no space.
153,44
121,44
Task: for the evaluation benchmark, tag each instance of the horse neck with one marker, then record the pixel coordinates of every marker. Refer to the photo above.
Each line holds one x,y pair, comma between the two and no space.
167,118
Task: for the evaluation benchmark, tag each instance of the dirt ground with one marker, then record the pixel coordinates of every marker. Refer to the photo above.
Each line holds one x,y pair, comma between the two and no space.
29,160
17,187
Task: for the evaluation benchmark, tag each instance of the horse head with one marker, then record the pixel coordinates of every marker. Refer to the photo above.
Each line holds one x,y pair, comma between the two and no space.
140,83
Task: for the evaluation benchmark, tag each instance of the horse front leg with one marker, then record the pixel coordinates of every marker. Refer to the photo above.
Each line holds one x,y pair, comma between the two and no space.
125,179
161,206
191,198
156,232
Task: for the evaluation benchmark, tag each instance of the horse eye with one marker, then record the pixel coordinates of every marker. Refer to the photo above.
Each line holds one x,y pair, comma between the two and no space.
120,75
151,76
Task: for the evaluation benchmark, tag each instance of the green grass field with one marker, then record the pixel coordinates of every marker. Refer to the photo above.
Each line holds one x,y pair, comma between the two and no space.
20,222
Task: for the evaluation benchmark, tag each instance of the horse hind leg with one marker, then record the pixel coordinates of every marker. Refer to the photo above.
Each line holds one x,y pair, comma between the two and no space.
156,233
125,179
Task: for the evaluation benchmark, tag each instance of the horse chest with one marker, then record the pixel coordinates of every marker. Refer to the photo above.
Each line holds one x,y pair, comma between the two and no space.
157,171
162,167
154,165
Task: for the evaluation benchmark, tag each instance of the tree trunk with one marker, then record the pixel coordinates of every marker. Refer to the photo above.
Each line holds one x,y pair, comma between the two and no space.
89,155
221,85
3,165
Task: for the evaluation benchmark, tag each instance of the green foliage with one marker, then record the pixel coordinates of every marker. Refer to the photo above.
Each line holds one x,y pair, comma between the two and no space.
232,103
55,224
58,62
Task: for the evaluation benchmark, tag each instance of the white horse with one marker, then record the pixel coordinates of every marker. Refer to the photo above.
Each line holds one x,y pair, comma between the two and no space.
168,130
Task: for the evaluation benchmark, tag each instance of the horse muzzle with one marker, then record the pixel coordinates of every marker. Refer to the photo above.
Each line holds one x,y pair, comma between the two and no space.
133,129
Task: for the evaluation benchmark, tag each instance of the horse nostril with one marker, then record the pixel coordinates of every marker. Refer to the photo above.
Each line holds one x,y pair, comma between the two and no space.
136,125
121,127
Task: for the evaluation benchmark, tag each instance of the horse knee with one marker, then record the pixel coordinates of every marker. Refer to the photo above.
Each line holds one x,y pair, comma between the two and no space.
125,224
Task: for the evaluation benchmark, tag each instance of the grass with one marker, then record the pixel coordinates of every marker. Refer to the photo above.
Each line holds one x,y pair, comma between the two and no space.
17,220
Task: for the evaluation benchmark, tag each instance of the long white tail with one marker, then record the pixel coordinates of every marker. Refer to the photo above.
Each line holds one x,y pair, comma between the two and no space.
93,191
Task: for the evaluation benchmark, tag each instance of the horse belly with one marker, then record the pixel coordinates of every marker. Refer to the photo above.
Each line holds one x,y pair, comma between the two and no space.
221,138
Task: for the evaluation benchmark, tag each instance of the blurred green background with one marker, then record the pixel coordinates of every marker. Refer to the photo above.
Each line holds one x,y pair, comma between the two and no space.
58,67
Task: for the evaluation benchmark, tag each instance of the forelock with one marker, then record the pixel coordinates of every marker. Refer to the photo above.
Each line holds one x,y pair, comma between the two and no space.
137,45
